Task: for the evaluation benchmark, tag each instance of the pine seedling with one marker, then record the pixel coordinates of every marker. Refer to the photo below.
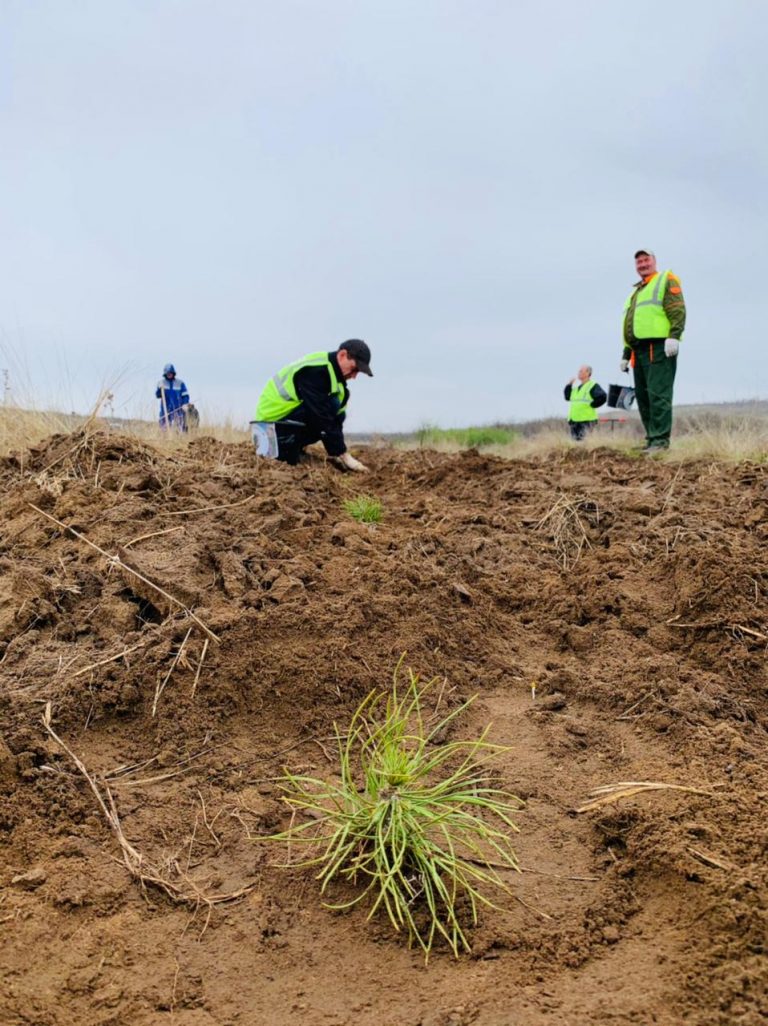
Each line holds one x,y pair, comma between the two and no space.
417,826
364,508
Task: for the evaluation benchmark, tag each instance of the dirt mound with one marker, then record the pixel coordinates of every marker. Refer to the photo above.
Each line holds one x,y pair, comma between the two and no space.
199,619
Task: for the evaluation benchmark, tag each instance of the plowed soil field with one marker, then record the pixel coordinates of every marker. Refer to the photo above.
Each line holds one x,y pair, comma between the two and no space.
609,613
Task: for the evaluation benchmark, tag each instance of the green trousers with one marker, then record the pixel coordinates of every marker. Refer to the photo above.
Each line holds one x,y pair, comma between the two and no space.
654,378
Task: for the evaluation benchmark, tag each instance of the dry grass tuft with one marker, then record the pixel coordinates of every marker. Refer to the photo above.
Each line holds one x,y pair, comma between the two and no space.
564,524
609,793
721,438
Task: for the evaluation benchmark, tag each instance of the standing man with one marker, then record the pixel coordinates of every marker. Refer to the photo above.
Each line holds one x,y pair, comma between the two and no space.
174,399
306,402
585,396
654,318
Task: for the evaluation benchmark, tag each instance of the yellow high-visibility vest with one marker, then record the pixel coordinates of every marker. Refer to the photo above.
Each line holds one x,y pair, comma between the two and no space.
649,319
279,397
581,409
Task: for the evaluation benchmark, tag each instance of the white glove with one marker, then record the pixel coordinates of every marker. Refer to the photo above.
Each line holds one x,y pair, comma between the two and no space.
624,366
348,462
671,347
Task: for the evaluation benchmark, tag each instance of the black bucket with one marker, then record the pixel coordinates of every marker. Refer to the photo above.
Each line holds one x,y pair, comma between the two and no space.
614,391
626,398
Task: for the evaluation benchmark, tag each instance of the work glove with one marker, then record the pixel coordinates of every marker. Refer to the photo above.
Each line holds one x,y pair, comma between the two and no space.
348,462
671,347
624,366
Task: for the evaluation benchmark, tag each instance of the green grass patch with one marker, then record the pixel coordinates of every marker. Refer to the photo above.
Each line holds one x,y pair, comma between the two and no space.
365,509
419,827
465,438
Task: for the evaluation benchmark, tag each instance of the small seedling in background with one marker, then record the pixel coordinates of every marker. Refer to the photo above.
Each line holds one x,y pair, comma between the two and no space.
364,508
417,824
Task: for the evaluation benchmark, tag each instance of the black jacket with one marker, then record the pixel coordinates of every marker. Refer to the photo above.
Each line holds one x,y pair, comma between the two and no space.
319,410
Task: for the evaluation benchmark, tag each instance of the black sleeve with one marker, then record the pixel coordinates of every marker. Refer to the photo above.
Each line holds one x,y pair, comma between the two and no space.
598,396
313,386
567,392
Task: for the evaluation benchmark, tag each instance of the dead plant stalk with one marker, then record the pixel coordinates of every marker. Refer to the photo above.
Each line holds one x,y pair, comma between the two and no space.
151,534
204,509
200,666
109,659
117,561
136,864
629,788
161,687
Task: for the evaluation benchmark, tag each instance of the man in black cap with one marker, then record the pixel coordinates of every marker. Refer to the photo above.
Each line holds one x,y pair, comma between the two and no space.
654,318
306,402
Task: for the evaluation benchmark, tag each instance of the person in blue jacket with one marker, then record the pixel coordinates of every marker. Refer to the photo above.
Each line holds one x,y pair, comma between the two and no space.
174,399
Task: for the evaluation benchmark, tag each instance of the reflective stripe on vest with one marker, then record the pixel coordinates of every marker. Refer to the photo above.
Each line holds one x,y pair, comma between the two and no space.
281,389
649,319
581,409
279,396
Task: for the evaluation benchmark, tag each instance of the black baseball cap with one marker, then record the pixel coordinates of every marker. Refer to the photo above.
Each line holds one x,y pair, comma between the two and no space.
360,353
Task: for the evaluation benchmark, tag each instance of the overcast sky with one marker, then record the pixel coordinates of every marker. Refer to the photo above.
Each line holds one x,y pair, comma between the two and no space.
228,184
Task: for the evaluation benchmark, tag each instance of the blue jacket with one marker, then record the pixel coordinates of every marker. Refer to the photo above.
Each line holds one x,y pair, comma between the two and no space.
176,394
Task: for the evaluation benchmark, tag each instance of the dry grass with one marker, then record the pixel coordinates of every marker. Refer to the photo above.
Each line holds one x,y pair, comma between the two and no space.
712,436
553,441
150,431
22,428
721,438
610,793
709,435
546,442
564,523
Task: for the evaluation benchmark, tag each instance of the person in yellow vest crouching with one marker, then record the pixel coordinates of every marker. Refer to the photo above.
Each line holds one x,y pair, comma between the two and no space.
306,402
585,396
654,318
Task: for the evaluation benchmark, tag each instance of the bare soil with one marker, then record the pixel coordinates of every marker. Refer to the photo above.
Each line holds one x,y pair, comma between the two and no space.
610,614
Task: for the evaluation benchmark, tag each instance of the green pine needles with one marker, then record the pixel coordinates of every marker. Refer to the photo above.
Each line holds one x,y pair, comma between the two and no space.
364,508
419,826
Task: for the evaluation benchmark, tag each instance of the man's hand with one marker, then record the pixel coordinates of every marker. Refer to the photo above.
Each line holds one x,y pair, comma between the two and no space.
671,347
348,462
624,366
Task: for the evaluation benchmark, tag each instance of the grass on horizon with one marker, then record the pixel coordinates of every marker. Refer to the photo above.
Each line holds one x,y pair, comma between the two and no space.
694,436
708,435
431,436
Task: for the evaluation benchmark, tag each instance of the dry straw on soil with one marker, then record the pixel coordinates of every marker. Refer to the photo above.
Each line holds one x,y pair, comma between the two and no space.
187,890
565,524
